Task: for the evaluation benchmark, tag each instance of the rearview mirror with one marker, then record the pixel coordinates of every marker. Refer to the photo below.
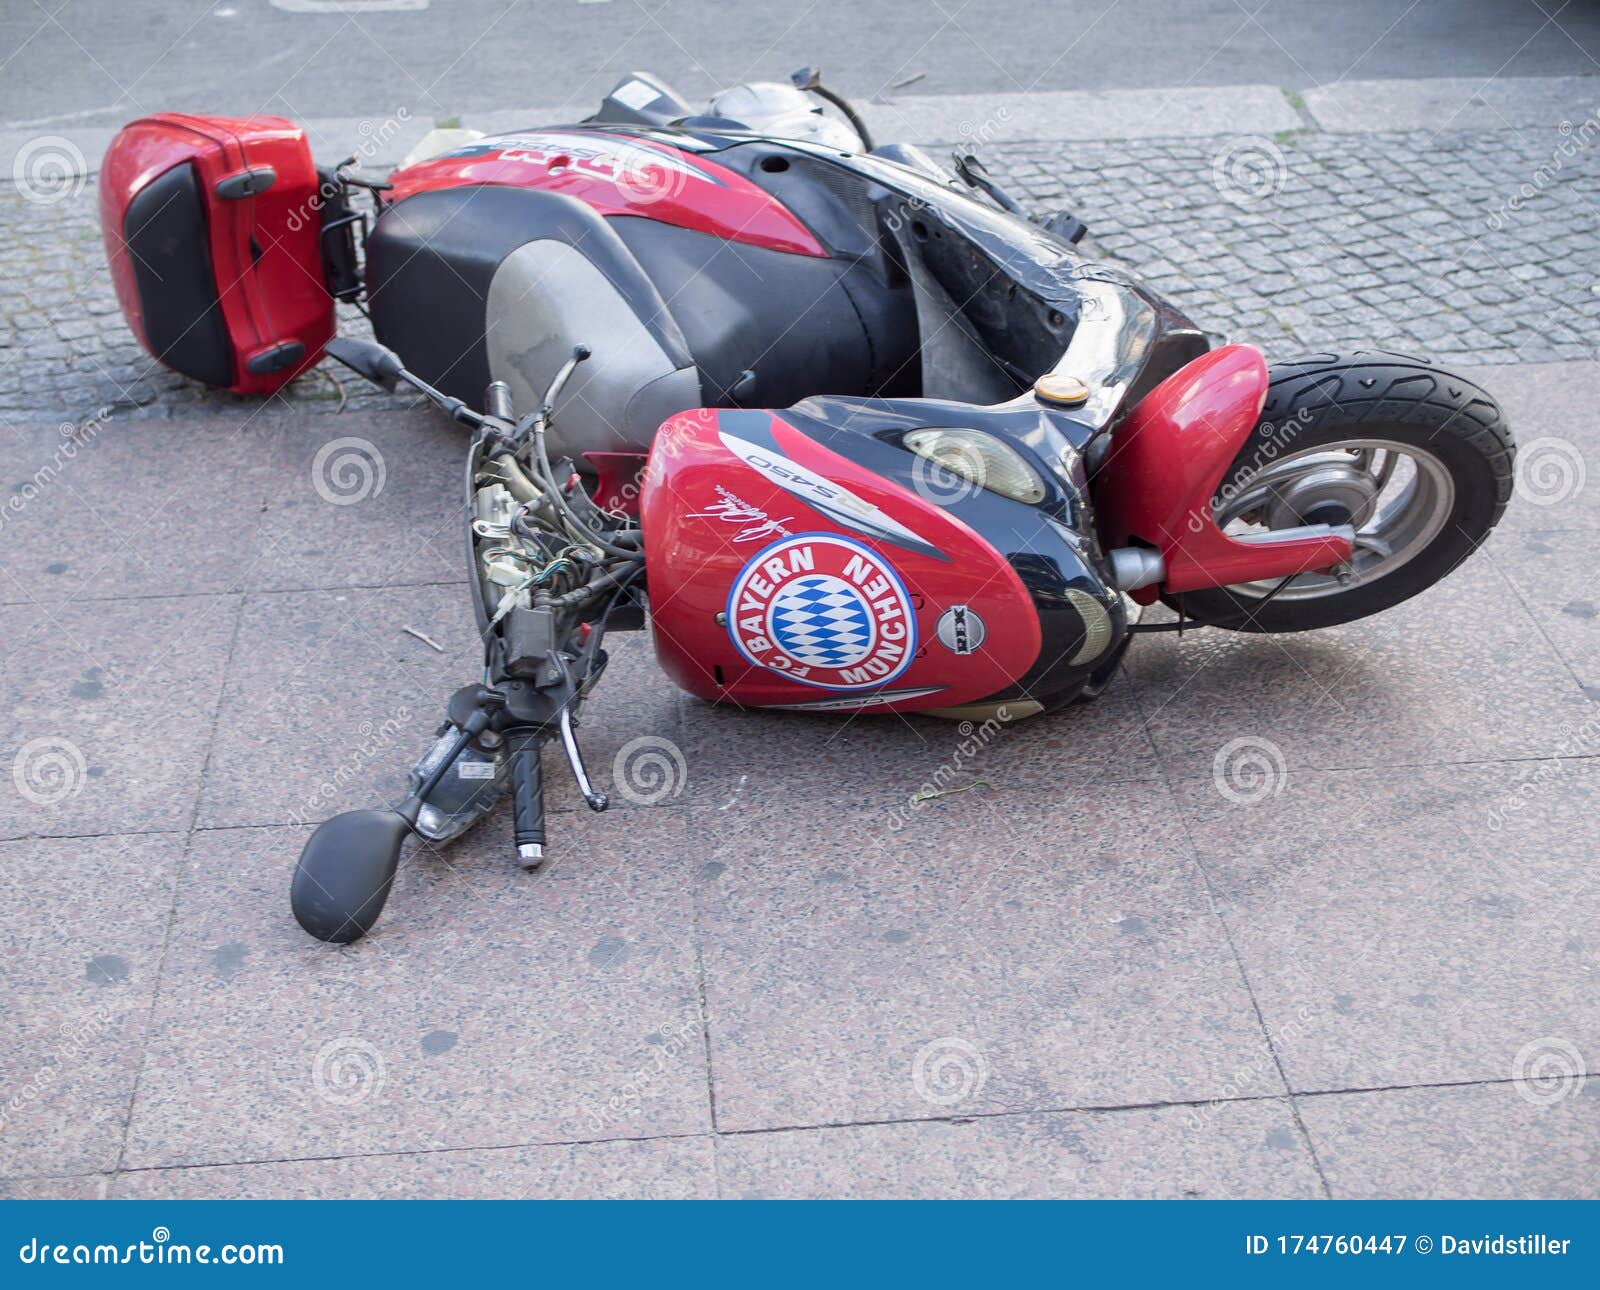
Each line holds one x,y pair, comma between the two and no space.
344,873
367,358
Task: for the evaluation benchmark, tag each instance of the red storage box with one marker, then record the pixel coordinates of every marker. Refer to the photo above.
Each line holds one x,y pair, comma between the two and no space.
213,231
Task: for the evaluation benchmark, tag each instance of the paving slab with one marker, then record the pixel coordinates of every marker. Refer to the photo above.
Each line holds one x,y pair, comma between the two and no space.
94,509
652,1169
82,925
758,757
489,1007
1411,926
329,702
1460,672
629,733
1236,1149
107,713
365,499
1456,103
1483,1142
78,1187
260,500
1551,410
1553,574
1010,952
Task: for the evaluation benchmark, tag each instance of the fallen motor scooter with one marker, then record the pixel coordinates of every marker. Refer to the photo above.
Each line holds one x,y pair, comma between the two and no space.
848,427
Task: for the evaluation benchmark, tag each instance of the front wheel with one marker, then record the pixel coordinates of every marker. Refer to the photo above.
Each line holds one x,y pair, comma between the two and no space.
1418,461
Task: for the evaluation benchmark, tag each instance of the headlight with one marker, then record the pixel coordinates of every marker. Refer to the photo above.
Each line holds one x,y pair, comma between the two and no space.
972,459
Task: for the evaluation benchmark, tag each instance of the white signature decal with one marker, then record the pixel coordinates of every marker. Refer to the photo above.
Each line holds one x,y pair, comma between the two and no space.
756,524
835,501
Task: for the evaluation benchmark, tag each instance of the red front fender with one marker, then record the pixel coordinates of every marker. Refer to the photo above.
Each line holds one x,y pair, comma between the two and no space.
1168,460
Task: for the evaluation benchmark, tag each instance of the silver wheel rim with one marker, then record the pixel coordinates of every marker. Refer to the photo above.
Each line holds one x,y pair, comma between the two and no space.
1397,496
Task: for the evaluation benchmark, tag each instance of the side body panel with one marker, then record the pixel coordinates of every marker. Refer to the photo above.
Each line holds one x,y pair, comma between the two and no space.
782,574
620,175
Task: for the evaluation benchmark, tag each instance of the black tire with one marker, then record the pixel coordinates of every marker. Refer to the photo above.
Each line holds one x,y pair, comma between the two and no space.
1326,399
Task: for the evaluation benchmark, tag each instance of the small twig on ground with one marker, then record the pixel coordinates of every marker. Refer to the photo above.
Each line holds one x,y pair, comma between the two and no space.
928,794
423,637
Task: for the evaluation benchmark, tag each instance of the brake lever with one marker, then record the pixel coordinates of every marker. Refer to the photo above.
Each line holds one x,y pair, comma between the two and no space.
569,743
580,354
535,421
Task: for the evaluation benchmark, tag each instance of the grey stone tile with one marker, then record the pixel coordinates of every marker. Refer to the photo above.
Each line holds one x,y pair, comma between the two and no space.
754,756
490,1007
1457,673
329,702
76,1187
124,508
1551,410
652,1169
108,709
1553,575
1487,1142
1009,952
1463,103
1234,1149
371,499
82,922
1411,927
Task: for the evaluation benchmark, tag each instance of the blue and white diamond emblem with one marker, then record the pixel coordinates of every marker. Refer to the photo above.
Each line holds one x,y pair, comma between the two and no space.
822,621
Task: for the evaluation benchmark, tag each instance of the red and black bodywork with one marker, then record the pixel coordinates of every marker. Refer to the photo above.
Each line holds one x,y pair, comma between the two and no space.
213,231
769,318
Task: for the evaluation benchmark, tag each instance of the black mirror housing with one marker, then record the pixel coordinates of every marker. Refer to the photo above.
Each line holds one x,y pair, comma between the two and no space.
379,364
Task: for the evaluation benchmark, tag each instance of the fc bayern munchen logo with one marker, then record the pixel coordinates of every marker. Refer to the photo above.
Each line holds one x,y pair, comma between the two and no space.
825,611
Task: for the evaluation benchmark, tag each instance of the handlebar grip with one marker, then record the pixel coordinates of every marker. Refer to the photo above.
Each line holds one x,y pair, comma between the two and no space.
527,795
497,401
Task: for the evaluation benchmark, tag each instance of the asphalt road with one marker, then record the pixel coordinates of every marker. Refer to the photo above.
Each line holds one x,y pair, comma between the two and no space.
97,61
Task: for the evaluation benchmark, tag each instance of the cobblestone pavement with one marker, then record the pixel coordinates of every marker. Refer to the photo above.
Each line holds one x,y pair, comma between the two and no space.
1457,244
1469,245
